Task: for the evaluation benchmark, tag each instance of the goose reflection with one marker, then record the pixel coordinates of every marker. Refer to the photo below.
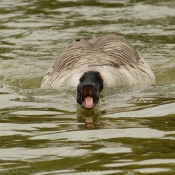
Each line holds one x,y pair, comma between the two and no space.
90,118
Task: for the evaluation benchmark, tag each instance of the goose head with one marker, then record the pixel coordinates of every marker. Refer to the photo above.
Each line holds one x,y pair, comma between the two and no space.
90,84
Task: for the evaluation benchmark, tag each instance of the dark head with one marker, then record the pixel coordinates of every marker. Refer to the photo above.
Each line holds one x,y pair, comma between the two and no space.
91,83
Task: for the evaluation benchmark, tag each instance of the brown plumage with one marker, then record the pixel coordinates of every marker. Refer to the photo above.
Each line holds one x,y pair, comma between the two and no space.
118,63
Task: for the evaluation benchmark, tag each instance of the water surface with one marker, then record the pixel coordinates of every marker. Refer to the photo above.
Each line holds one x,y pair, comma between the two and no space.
43,132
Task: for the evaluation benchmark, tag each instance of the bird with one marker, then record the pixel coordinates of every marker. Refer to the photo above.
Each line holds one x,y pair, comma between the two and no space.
93,63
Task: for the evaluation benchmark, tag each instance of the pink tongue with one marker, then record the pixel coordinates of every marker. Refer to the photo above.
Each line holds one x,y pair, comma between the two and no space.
89,102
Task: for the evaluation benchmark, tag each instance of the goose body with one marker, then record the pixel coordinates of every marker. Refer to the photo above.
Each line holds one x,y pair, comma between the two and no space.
110,56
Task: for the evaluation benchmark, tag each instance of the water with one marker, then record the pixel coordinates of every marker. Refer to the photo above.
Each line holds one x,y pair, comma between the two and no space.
43,132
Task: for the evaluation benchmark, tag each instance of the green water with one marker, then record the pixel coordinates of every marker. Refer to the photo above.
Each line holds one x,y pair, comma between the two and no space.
43,132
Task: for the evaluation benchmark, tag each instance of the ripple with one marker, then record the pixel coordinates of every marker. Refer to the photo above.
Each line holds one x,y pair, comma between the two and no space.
24,153
104,134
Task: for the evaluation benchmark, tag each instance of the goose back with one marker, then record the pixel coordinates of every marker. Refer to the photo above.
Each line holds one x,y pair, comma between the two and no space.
112,56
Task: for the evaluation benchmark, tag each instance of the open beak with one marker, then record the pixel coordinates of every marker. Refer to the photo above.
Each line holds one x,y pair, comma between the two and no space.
88,97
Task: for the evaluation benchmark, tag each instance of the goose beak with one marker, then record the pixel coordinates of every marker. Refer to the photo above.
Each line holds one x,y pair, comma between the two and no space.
87,96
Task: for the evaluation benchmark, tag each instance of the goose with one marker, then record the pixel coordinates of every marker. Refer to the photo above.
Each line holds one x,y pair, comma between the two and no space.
94,63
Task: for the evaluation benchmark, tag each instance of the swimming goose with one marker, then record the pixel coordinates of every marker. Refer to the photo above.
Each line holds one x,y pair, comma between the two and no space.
91,64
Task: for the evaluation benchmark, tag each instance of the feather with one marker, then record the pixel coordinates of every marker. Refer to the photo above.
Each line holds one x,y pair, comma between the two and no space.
115,58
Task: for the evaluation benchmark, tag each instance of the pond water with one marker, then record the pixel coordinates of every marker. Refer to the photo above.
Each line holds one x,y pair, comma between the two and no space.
43,132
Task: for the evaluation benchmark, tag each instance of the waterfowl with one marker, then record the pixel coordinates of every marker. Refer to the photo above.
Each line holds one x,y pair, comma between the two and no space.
91,64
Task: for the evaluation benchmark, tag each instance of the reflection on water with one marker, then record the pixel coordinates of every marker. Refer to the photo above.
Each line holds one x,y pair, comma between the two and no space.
44,131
